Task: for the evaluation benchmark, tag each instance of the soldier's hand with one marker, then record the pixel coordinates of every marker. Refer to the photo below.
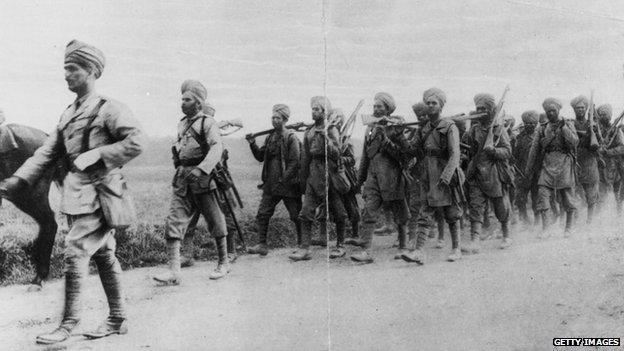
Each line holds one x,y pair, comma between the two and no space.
250,139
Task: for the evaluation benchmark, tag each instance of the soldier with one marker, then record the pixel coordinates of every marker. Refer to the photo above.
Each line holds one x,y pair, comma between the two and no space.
489,175
319,160
611,151
442,178
280,176
96,135
587,155
552,158
199,149
381,165
524,184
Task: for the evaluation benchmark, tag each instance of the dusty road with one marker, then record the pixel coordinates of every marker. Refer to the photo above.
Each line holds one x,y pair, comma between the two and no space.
517,299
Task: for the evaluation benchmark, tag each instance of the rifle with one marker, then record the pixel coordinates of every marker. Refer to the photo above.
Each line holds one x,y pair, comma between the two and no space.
489,139
297,127
347,127
225,183
613,129
225,124
370,121
593,140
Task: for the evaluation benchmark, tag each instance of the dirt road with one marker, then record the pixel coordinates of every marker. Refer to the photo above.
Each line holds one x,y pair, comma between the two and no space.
517,299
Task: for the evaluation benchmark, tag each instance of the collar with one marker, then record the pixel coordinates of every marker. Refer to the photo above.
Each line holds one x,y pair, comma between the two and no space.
194,118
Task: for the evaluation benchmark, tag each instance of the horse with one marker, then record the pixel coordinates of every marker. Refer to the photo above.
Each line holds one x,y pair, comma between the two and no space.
17,144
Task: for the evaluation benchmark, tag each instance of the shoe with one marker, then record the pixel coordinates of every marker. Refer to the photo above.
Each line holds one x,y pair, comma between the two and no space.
109,327
440,244
399,255
506,243
417,256
187,262
232,257
362,257
167,279
319,242
472,247
259,249
337,252
59,334
300,255
455,255
355,242
221,271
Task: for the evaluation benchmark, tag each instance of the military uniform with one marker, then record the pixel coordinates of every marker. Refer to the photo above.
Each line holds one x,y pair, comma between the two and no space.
116,136
587,159
349,200
613,162
280,176
525,185
489,177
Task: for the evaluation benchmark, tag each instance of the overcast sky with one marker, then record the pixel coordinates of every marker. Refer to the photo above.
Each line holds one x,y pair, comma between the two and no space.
253,54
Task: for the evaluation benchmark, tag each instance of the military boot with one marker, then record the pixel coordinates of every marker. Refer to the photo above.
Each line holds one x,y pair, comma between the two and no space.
172,276
416,253
474,245
506,242
109,271
260,249
60,334
223,267
362,257
337,252
110,326
303,254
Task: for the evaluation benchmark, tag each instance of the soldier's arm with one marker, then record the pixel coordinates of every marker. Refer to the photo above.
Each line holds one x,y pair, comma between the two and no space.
333,143
292,160
42,159
502,151
570,138
452,137
617,147
258,152
127,136
348,157
215,148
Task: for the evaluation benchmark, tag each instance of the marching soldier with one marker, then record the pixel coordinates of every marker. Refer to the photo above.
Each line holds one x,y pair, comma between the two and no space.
199,149
319,161
587,154
524,184
489,175
381,173
551,158
611,151
96,135
280,176
442,178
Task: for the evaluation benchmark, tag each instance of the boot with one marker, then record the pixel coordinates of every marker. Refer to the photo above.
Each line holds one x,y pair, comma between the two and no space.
260,249
569,225
337,252
300,255
109,270
506,242
172,277
362,257
417,242
474,246
110,326
76,269
455,255
223,267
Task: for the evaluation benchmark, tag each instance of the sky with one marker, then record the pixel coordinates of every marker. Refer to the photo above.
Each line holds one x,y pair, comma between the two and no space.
253,54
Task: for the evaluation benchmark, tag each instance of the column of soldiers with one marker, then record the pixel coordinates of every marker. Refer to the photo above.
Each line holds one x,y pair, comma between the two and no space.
429,172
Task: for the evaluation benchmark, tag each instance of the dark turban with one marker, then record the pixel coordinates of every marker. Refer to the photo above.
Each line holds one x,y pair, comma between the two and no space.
387,100
551,102
321,101
282,110
485,100
86,56
436,94
196,89
605,110
581,99
531,116
420,109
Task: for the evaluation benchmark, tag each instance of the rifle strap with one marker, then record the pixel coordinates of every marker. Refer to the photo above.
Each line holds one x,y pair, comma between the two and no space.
87,130
200,137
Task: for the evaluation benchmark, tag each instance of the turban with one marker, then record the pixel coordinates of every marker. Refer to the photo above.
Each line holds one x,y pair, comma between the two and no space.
282,110
551,102
581,99
196,89
321,101
208,109
530,117
602,110
387,100
486,100
86,56
436,94
420,109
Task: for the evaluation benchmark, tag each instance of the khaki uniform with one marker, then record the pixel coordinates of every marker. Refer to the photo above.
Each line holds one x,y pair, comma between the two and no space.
588,175
524,184
191,195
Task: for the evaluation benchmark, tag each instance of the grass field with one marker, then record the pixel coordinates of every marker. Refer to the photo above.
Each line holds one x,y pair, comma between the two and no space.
149,178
